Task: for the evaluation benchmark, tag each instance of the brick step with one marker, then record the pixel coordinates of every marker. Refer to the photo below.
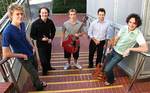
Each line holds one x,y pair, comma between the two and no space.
62,56
60,62
81,86
61,53
64,59
69,72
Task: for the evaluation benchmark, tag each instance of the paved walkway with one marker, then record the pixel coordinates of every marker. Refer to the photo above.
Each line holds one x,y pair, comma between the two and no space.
59,19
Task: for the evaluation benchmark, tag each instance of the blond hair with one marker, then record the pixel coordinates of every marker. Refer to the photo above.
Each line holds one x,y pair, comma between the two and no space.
12,7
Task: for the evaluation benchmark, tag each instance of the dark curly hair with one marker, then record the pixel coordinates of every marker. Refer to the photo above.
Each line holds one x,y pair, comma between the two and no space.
137,19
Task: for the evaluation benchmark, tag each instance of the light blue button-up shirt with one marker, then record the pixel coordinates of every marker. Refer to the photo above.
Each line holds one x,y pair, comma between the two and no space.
100,30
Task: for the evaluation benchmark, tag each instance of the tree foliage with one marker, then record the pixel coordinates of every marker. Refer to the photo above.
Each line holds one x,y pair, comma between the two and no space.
3,6
62,6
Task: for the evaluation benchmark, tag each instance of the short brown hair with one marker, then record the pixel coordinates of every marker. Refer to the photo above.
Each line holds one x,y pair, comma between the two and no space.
101,10
72,10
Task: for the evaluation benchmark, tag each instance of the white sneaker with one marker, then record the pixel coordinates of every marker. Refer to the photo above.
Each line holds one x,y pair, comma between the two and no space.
78,66
107,83
66,66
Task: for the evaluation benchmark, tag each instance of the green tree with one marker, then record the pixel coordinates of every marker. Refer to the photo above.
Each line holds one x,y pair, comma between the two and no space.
62,6
3,6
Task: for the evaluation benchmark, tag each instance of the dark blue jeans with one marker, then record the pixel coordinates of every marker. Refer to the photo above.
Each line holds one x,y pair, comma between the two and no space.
112,59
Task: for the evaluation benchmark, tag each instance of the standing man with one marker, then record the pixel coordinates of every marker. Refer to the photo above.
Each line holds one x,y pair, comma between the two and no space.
72,26
125,41
98,34
43,31
14,36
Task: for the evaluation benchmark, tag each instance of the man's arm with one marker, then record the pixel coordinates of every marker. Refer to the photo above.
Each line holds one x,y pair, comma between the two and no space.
31,43
7,53
90,34
62,37
33,33
114,40
53,30
141,48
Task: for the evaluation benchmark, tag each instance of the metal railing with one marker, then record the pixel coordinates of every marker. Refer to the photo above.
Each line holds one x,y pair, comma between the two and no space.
6,71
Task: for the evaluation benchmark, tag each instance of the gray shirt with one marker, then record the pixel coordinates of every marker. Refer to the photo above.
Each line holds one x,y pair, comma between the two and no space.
69,28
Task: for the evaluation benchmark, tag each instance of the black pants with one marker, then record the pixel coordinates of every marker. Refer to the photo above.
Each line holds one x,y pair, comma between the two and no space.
92,48
45,57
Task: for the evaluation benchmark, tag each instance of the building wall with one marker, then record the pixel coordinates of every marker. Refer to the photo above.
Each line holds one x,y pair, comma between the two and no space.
116,10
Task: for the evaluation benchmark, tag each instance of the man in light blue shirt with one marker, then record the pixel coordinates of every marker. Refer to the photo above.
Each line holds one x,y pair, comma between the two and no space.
98,31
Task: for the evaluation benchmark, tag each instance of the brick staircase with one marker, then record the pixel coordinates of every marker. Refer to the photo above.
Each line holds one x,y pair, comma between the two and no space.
74,80
79,81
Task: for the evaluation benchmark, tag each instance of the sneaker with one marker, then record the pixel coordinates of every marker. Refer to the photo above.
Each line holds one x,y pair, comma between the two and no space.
66,66
107,83
78,66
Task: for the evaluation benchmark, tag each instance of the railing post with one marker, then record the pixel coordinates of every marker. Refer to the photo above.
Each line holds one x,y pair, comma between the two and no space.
13,78
3,73
139,67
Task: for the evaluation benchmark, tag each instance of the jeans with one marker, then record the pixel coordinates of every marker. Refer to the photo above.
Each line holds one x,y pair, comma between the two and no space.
112,60
29,65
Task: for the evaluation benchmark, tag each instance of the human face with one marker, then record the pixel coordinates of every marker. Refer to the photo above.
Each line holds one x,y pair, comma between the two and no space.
17,17
101,16
132,24
44,14
72,15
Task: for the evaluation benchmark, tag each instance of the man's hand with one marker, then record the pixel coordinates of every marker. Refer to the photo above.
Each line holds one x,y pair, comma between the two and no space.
34,49
49,41
44,38
97,42
76,35
126,53
25,57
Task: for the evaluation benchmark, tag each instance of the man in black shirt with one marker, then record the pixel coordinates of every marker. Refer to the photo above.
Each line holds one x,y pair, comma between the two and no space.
43,31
